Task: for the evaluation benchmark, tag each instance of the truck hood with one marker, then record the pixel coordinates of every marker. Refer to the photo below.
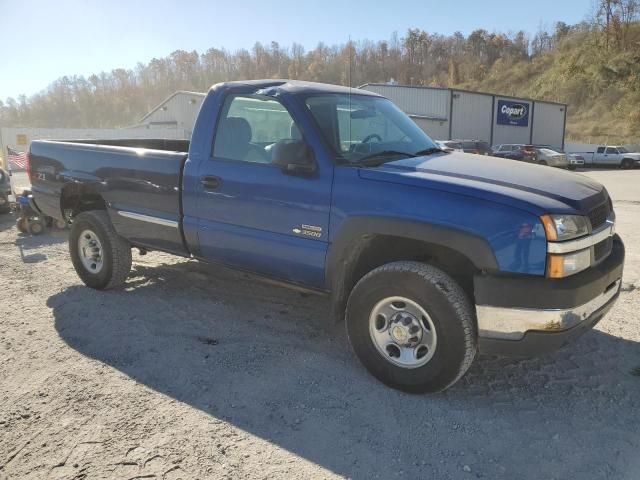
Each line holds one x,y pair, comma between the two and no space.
536,188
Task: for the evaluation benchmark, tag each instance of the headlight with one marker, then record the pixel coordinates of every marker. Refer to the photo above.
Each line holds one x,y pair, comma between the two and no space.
560,266
564,227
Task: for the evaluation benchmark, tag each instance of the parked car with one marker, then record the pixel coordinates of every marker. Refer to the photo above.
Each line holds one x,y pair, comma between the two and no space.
428,256
546,156
515,151
449,145
475,146
5,192
575,160
504,149
615,155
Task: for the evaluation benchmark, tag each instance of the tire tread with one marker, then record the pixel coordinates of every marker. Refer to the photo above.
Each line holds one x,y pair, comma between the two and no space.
464,310
120,248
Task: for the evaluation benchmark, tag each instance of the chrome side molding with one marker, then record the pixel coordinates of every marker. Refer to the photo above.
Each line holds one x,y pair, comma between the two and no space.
148,218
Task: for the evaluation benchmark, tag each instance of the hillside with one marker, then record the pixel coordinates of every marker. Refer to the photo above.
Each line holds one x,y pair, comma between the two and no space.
602,87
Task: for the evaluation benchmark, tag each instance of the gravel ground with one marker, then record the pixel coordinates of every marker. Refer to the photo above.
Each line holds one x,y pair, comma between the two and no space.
195,371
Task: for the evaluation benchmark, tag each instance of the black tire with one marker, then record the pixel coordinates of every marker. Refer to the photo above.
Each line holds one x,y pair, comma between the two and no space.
627,164
446,304
116,251
542,162
571,167
21,225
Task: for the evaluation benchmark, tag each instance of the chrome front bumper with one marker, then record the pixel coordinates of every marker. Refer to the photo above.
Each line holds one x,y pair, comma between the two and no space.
513,323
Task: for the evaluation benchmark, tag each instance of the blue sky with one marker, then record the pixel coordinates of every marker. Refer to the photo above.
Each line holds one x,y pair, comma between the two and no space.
41,40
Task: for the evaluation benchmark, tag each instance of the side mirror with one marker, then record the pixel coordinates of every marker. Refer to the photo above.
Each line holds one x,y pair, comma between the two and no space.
294,157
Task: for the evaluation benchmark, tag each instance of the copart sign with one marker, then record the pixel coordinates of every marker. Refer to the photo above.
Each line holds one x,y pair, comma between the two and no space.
513,113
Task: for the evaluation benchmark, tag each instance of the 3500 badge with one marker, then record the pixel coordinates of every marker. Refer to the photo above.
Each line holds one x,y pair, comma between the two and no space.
308,230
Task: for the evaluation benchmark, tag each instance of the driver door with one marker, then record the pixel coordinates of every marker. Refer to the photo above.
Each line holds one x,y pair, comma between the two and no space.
611,156
252,215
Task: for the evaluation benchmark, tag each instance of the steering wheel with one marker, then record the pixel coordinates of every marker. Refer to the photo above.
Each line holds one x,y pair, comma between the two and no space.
370,137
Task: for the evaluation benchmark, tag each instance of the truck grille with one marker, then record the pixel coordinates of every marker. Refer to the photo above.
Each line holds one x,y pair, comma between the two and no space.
599,215
602,249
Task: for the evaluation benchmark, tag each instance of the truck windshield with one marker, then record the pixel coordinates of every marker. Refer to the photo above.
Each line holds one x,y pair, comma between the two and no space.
360,128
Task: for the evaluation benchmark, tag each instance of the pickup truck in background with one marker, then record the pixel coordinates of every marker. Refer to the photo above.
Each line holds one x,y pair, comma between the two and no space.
613,156
428,256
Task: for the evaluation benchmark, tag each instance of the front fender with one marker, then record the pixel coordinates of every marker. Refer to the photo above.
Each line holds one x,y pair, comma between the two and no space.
349,242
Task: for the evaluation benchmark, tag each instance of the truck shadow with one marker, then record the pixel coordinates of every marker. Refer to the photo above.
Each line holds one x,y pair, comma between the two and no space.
266,360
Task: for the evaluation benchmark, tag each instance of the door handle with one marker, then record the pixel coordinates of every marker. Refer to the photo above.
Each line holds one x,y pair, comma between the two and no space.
210,182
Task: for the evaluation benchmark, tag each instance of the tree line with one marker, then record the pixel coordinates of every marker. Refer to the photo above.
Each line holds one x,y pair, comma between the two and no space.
121,97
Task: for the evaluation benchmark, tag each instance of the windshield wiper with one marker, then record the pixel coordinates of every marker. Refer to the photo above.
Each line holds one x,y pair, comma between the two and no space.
428,151
382,157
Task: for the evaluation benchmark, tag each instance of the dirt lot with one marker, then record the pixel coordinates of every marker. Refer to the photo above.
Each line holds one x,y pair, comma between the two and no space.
197,372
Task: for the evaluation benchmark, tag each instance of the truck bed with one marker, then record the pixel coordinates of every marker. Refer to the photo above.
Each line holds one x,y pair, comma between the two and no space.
139,180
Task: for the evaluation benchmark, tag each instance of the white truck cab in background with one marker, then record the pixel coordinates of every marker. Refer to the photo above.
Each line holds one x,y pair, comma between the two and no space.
614,155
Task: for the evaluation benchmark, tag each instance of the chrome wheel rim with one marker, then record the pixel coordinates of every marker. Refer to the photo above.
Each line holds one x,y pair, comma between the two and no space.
90,251
403,332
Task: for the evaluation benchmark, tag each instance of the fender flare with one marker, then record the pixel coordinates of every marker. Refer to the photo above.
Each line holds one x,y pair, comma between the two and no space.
352,239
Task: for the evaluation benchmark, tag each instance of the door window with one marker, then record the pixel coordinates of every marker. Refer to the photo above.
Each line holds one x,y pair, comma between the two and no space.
611,150
249,127
600,150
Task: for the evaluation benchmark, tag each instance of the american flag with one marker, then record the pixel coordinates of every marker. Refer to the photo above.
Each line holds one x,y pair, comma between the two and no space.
17,160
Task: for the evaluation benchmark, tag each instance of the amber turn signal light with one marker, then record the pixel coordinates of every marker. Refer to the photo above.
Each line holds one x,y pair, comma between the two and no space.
549,227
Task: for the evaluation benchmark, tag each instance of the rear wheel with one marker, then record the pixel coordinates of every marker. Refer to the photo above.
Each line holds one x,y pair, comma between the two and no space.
412,326
101,258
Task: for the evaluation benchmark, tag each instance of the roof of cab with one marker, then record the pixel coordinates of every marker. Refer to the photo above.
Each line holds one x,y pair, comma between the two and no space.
297,87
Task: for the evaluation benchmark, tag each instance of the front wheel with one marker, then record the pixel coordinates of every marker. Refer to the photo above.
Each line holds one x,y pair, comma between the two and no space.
101,258
412,326
627,164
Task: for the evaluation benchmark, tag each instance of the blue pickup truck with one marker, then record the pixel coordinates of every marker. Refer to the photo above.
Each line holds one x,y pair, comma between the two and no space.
429,257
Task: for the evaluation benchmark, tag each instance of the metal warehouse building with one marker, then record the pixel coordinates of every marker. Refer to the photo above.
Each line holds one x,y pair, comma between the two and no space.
448,113
178,111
